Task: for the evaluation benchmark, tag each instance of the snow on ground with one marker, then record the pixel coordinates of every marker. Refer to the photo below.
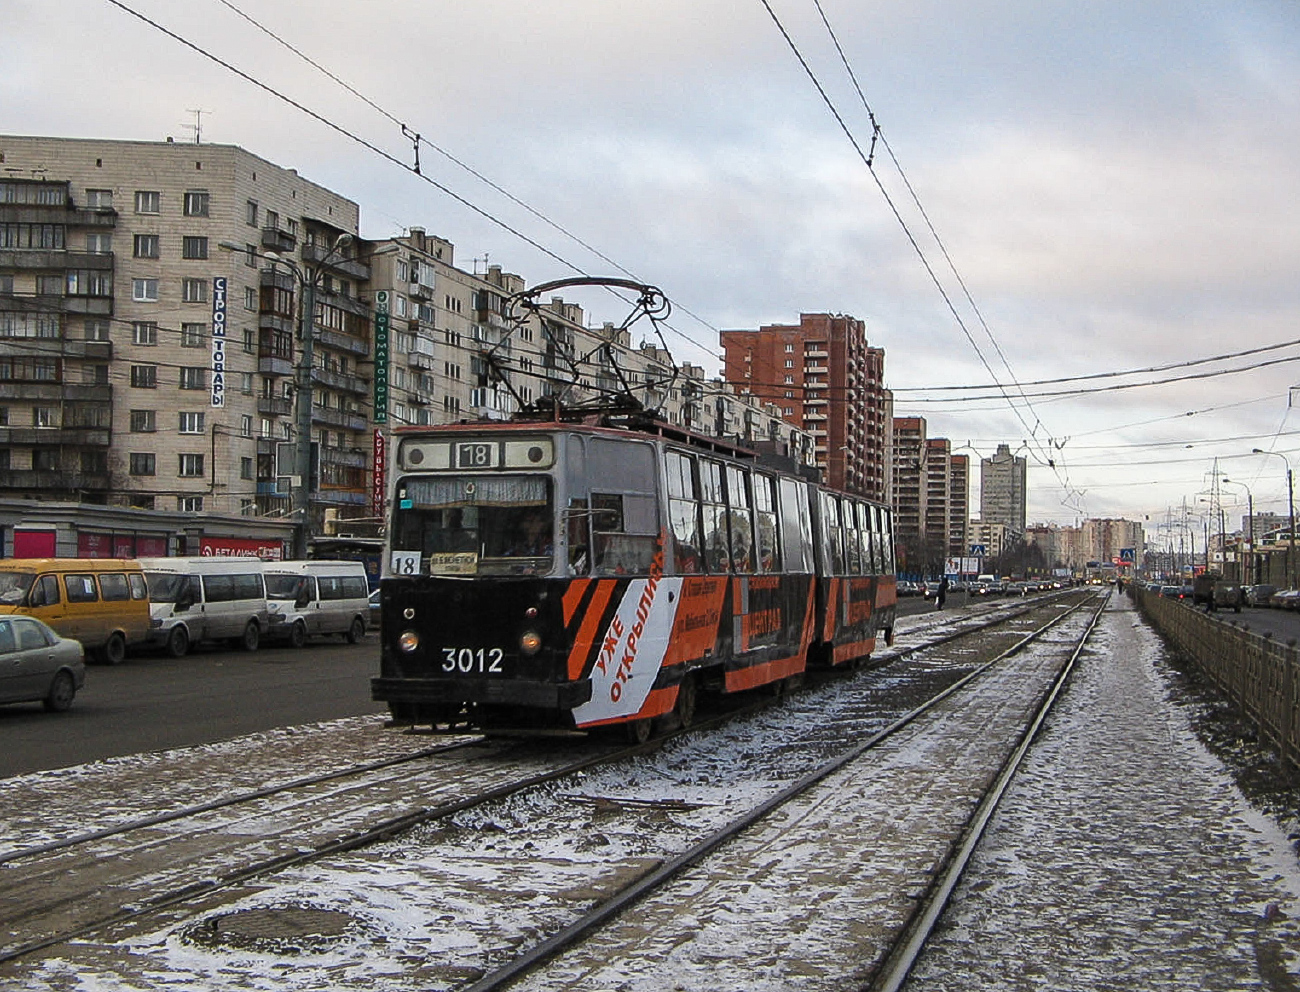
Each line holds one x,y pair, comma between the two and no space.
1147,869
1124,857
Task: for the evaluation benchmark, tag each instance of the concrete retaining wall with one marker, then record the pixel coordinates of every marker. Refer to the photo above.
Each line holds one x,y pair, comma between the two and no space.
1259,674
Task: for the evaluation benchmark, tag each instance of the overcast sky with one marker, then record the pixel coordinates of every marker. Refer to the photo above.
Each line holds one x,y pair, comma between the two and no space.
1117,184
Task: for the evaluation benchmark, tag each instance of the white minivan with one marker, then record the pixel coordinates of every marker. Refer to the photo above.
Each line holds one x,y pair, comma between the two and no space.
308,598
206,599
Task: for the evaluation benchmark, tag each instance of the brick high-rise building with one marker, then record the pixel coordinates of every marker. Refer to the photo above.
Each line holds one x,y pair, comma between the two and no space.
825,378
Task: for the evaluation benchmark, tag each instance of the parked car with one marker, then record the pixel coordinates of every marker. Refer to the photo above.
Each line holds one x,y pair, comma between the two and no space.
1259,595
1286,599
37,665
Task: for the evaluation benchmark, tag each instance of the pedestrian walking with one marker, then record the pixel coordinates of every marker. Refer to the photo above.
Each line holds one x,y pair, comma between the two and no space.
942,592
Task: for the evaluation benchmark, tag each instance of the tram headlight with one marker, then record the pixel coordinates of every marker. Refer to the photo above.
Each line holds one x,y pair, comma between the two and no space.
531,642
408,641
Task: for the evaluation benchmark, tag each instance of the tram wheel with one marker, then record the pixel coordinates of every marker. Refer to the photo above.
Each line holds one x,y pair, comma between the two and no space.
637,732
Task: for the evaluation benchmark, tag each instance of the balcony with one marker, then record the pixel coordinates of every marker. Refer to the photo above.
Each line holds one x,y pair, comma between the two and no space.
331,417
343,342
420,291
47,259
341,381
316,254
274,322
86,437
274,406
274,365
350,457
275,239
47,482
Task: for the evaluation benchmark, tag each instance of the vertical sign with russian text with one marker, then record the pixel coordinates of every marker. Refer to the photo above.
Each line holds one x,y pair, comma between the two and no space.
219,341
379,477
381,357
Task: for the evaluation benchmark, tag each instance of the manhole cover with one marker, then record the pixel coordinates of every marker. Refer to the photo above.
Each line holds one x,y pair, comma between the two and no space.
274,927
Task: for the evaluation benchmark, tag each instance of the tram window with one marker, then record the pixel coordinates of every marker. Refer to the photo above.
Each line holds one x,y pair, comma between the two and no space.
796,528
834,536
740,523
683,512
579,530
769,550
887,540
714,507
625,533
499,525
852,558
870,540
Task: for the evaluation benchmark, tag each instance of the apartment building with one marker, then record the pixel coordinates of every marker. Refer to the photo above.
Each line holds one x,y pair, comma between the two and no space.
142,363
153,303
823,377
1002,490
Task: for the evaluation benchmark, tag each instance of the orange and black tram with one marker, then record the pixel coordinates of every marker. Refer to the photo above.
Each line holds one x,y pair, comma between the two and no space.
563,576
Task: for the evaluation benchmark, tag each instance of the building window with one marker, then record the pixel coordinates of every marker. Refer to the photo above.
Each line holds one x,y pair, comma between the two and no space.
99,199
97,330
194,378
194,247
189,504
49,285
194,290
142,463
94,462
144,332
89,282
250,256
246,426
147,246
148,201
144,376
789,363
45,459
250,213
250,341
43,416
190,466
245,468
193,335
99,244
196,203
191,423
250,298
142,422
94,375
246,383
144,290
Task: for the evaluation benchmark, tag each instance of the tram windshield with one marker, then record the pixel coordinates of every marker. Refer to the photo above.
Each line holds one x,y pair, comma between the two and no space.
477,525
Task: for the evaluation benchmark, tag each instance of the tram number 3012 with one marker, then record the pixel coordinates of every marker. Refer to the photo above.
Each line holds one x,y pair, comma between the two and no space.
467,660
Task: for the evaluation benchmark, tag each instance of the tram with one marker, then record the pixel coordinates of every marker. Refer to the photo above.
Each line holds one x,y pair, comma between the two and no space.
555,575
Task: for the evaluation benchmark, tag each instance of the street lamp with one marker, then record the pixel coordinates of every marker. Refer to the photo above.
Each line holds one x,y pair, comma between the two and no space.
302,379
1250,536
1290,503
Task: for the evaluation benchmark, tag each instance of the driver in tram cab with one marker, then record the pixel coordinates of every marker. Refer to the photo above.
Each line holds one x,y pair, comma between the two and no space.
533,537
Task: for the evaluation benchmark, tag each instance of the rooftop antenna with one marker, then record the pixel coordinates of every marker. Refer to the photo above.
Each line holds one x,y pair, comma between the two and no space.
197,126
484,260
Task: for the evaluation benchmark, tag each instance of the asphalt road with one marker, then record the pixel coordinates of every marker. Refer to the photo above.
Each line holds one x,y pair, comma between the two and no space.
152,702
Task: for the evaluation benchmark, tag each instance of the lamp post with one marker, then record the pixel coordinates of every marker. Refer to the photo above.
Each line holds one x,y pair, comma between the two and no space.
1290,504
1250,534
307,282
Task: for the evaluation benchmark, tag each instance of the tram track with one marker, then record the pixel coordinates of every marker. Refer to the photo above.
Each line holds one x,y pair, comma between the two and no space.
205,884
508,974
